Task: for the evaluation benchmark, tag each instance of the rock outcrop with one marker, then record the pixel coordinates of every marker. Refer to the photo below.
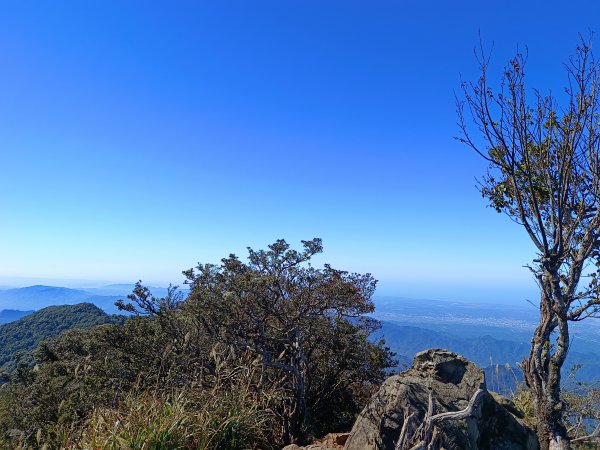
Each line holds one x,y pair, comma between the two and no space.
441,402
333,441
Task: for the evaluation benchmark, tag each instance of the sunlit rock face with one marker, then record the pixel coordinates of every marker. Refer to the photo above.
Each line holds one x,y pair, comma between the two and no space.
439,382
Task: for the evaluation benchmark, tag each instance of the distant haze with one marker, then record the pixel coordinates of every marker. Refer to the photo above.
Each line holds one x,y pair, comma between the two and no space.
40,296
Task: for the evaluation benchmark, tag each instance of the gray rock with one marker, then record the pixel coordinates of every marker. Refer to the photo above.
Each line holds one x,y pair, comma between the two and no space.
332,441
394,419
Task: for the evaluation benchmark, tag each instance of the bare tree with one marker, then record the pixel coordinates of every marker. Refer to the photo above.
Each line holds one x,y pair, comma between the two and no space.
544,173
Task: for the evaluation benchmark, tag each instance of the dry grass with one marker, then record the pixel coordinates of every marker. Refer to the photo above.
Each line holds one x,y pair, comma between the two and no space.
181,420
523,400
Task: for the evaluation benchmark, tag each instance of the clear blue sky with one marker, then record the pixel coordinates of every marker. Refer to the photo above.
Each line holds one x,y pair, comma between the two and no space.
138,138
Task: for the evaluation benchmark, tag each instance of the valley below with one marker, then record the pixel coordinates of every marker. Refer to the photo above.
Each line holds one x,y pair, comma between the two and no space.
494,336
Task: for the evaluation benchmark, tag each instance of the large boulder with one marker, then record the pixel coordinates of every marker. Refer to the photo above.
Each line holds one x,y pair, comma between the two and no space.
409,408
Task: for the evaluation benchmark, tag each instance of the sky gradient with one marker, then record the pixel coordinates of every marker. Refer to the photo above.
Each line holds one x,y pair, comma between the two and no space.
138,138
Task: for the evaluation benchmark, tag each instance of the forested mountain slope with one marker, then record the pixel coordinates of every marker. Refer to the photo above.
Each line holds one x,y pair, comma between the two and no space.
24,335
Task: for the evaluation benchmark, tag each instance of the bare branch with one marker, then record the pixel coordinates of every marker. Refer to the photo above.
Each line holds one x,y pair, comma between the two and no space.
590,437
432,420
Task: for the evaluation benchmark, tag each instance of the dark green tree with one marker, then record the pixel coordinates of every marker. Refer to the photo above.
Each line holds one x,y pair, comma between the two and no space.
308,325
544,173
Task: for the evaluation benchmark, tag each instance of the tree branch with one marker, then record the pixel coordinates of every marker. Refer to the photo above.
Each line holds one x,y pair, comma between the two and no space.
432,421
595,434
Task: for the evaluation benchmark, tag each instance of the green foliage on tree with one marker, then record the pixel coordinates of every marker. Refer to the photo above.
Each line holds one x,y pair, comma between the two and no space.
309,325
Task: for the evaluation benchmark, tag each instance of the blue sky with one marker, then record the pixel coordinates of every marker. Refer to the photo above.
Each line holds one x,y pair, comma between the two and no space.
138,138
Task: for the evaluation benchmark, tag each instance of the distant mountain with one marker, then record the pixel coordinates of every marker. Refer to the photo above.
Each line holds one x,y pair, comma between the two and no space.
38,297
483,350
520,319
497,356
503,379
511,322
25,334
10,315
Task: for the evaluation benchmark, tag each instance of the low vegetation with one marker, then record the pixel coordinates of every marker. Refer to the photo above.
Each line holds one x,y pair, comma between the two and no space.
260,354
582,412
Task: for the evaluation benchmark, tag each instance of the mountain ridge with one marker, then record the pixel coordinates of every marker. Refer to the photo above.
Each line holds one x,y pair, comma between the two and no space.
21,337
40,296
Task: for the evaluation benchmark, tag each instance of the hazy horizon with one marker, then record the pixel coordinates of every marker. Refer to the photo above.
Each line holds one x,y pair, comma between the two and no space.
484,294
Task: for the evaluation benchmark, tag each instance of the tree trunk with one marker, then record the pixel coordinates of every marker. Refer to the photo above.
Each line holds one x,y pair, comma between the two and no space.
298,419
297,369
542,369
